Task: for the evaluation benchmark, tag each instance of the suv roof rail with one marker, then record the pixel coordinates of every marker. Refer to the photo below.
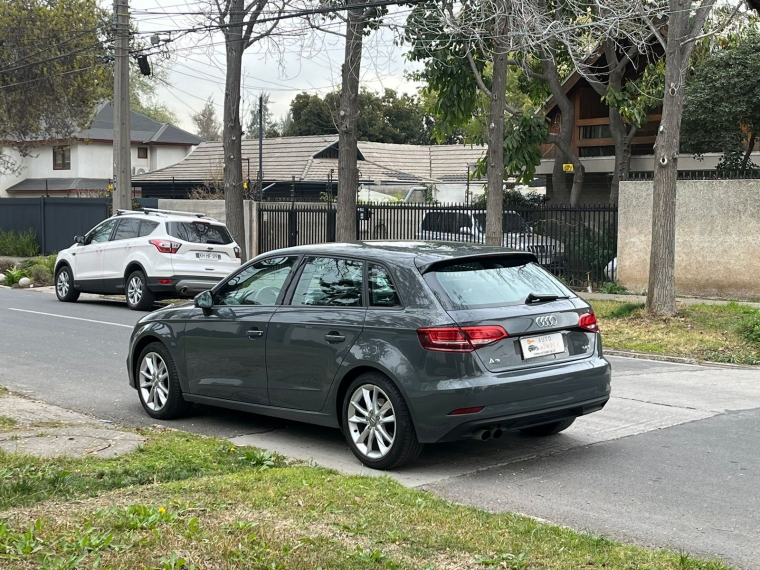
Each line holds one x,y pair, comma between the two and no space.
178,212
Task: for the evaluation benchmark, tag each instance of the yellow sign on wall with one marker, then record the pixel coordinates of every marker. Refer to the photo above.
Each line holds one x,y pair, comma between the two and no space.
567,167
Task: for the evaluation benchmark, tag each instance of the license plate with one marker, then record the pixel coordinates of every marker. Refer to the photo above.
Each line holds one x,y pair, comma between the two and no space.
535,346
206,255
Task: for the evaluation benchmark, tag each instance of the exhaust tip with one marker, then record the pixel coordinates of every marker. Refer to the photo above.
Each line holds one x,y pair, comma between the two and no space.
183,290
496,433
481,434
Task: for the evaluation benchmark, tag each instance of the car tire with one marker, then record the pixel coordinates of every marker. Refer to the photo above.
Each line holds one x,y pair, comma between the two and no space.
548,429
158,383
385,422
139,297
64,285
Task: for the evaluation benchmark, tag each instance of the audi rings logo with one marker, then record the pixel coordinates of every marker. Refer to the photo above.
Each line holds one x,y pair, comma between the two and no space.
543,322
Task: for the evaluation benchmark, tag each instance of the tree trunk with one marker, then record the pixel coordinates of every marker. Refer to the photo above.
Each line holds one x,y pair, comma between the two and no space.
495,175
622,136
559,183
565,153
348,174
579,173
233,132
661,298
750,146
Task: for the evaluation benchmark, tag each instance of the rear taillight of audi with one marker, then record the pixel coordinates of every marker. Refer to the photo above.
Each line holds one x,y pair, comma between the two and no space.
460,339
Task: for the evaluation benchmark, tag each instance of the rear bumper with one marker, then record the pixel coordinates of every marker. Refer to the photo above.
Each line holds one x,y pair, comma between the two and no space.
512,401
182,285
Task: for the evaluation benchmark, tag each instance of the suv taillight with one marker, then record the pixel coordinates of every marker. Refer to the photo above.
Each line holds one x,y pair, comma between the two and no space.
237,251
166,246
588,322
459,339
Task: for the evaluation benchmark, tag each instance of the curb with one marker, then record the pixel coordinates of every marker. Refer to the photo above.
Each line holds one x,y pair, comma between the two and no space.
677,360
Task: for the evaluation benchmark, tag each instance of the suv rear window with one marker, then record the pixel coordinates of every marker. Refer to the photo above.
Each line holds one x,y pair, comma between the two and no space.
493,282
199,232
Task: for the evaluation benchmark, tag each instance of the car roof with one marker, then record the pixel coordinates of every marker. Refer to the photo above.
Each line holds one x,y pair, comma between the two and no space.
157,217
423,254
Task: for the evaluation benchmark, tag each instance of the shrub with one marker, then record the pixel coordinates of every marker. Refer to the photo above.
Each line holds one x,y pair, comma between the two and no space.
6,264
46,261
23,244
613,288
13,276
40,275
749,327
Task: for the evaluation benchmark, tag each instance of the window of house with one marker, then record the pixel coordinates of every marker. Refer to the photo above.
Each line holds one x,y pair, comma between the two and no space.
142,152
61,158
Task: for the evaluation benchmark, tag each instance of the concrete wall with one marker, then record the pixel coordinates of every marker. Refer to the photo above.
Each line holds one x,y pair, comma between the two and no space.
717,237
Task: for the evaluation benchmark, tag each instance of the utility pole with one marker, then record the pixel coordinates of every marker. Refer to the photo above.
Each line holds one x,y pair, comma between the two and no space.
122,144
261,142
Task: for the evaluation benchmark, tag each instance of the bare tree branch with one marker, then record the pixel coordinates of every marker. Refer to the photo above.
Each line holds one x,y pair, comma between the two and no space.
476,73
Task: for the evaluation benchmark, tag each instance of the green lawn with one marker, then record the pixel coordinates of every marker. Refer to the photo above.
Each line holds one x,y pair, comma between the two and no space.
190,502
717,333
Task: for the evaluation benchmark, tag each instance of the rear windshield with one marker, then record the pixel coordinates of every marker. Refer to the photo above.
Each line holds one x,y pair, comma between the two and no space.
199,232
493,283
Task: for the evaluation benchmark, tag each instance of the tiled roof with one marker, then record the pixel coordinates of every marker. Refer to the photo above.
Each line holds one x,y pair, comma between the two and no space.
58,184
287,157
143,129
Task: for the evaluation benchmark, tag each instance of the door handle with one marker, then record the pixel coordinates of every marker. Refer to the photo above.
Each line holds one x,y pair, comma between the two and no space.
254,333
334,337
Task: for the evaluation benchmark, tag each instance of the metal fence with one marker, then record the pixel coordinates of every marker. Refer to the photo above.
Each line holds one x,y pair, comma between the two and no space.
56,221
576,243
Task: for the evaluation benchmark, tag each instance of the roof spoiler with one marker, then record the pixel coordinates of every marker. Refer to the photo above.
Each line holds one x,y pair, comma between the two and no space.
518,257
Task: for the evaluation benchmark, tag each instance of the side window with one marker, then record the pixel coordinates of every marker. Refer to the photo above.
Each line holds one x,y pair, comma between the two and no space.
257,284
330,282
382,291
129,228
102,232
147,227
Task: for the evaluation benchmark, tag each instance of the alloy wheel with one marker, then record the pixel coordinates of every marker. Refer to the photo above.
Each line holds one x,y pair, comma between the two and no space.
371,421
62,284
154,381
135,290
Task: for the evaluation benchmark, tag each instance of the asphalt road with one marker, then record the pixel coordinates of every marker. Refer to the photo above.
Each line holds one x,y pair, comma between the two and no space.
672,461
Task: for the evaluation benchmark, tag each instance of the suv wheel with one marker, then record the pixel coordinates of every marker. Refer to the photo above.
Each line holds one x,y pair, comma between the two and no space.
139,297
548,429
377,423
158,383
64,285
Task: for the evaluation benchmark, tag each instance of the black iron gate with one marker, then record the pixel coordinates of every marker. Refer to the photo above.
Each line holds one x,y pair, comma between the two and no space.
576,243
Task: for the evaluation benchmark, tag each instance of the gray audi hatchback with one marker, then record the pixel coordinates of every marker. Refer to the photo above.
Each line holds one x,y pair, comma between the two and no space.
398,344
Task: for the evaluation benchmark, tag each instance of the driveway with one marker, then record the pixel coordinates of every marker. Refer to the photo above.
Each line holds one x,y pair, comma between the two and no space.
672,461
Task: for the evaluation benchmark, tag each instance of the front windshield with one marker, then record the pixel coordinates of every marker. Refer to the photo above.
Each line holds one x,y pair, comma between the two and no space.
512,223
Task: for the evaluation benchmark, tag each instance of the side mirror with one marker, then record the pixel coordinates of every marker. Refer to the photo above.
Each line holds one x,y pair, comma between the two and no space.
79,240
204,300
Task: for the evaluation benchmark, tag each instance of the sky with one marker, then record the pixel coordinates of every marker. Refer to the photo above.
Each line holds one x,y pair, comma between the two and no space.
297,59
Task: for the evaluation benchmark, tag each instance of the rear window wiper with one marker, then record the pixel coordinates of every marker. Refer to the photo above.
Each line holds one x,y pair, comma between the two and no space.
542,298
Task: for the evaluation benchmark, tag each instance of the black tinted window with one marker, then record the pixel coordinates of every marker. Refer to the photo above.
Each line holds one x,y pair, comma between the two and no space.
257,284
128,228
495,282
147,227
330,282
511,223
382,291
102,232
448,222
199,232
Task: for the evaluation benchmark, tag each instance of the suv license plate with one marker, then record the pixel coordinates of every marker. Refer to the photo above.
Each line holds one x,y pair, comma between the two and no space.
205,255
535,346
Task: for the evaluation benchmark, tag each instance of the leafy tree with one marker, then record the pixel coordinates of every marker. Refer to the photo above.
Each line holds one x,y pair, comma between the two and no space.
53,71
386,117
143,97
722,107
206,124
252,127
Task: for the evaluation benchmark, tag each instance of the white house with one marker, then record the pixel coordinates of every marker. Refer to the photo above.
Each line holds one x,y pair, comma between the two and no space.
84,165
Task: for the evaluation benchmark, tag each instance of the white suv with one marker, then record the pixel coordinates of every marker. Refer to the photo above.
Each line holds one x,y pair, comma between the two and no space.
145,255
